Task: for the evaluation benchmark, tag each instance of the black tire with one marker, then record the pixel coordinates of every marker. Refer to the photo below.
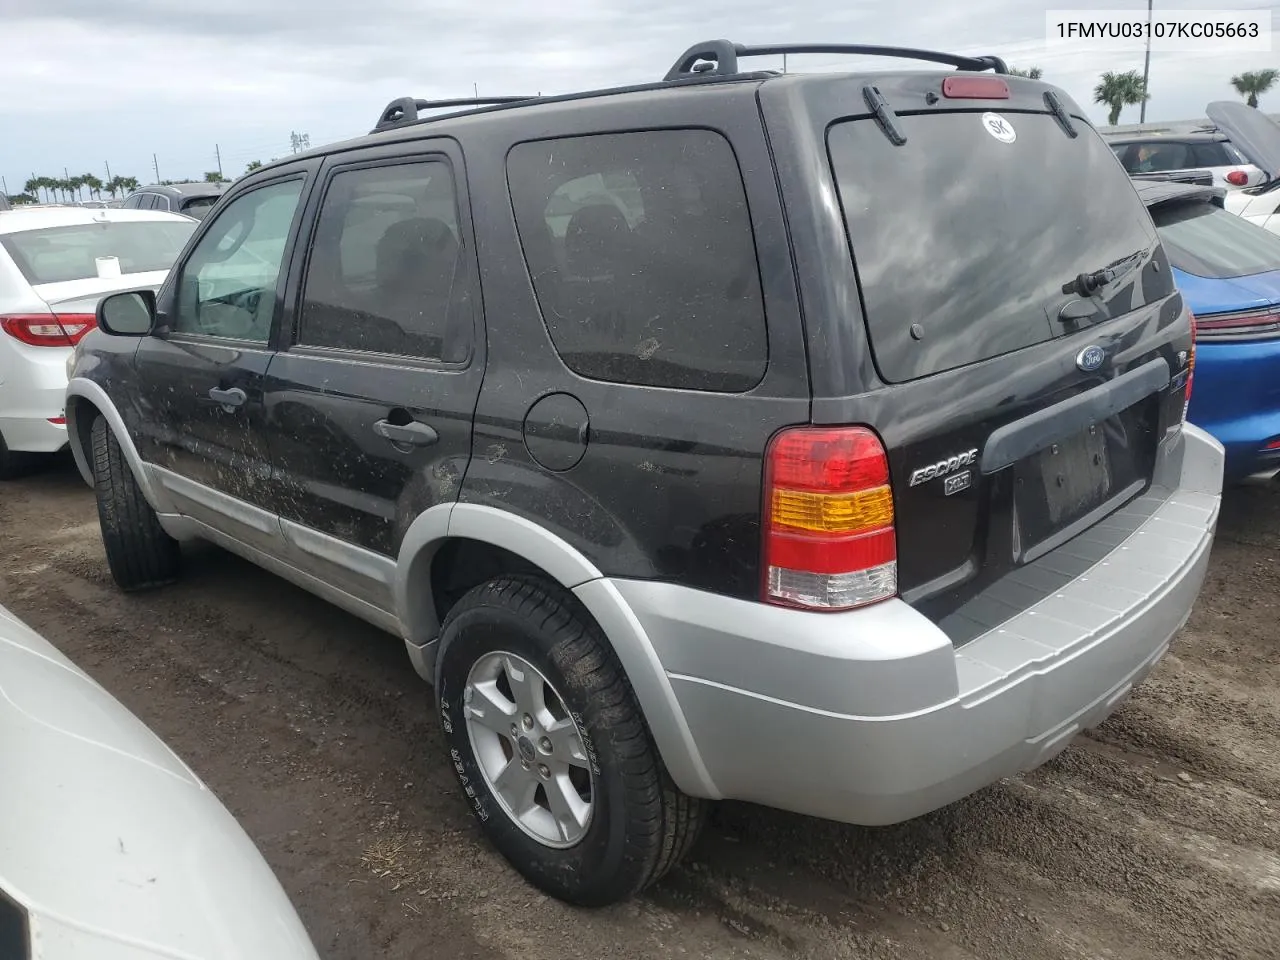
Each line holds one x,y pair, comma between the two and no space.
140,554
642,825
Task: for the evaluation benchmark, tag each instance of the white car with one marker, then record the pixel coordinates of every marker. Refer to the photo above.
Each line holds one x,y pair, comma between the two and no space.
55,264
1257,136
110,847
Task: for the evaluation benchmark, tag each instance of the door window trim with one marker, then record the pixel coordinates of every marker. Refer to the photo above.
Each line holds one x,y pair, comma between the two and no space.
437,151
169,293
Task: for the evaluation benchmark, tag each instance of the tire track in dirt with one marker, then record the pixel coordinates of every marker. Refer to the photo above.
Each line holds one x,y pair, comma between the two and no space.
316,733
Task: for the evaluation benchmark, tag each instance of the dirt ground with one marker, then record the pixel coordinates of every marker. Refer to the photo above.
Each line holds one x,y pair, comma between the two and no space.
1155,836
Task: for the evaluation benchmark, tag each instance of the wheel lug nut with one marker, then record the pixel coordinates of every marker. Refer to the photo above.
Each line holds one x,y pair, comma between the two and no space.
515,731
544,771
527,721
545,744
525,764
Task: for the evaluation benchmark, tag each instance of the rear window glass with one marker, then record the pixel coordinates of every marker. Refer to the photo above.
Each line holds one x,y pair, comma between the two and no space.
199,206
972,237
642,257
1207,241
57,254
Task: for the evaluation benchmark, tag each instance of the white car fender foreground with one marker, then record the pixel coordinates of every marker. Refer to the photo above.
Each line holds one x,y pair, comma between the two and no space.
112,846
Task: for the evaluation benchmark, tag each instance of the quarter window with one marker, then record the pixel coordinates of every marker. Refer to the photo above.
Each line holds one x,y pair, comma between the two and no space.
642,257
387,273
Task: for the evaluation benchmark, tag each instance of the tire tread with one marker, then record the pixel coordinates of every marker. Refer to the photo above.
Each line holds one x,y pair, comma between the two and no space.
140,554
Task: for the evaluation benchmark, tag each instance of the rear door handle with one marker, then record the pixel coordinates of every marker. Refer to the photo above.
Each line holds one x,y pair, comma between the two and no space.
414,434
234,397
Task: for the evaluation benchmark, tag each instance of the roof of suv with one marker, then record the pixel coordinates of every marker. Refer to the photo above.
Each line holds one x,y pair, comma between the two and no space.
711,62
194,188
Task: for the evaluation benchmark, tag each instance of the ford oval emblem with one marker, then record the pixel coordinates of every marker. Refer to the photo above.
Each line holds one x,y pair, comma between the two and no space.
1091,358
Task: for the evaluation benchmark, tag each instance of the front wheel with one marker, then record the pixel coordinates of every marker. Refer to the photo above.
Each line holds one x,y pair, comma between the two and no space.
139,552
550,746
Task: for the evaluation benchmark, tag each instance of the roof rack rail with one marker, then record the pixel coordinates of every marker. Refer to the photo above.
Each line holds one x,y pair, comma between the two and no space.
719,58
406,109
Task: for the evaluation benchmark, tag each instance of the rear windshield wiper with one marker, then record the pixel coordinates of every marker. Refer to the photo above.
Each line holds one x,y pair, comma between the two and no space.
1087,284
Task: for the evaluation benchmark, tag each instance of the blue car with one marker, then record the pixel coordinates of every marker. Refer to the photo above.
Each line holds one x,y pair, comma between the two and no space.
1228,270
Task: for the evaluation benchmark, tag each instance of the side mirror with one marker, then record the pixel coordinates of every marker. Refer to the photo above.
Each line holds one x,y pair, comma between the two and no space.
130,314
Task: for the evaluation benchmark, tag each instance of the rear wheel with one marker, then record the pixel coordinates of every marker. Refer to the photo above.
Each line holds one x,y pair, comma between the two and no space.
550,746
139,552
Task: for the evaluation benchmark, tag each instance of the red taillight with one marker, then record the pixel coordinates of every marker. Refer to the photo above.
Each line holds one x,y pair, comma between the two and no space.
1246,323
829,540
1191,365
47,329
975,88
1272,444
1238,178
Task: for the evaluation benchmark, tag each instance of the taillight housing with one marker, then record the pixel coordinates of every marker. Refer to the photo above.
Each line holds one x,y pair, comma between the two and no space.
1257,324
48,329
1238,178
828,535
1191,366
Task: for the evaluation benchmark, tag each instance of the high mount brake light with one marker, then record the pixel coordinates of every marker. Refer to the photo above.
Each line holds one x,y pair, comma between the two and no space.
829,539
975,88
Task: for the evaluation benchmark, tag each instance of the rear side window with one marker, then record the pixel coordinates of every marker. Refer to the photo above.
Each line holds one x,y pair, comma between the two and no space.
1205,240
58,254
971,237
386,272
642,257
1158,157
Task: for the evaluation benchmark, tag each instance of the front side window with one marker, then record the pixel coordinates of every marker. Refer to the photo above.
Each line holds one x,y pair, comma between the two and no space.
228,284
386,273
642,257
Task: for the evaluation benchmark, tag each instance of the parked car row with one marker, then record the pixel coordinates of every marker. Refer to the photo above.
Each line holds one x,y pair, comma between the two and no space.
718,458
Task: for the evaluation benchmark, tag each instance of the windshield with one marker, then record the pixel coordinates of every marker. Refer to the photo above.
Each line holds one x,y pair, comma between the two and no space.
58,254
970,237
1207,241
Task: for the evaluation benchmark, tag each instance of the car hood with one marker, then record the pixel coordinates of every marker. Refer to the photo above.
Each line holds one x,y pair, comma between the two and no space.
111,844
1207,295
1255,134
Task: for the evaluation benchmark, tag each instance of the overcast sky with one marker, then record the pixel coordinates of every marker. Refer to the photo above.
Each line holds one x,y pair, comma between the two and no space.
84,83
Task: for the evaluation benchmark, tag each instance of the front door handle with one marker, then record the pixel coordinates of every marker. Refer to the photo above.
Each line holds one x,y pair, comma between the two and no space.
234,397
413,434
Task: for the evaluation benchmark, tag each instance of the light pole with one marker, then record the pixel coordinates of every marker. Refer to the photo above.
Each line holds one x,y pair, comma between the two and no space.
1146,69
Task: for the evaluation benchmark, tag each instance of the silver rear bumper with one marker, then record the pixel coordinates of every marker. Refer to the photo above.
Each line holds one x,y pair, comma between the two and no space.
874,716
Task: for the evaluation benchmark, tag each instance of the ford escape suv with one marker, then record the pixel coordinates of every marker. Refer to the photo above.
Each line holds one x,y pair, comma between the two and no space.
811,440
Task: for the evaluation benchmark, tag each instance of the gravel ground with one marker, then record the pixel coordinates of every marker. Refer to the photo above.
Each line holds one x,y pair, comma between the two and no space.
1155,836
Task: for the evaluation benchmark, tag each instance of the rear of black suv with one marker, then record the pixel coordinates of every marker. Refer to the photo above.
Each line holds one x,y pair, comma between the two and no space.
998,517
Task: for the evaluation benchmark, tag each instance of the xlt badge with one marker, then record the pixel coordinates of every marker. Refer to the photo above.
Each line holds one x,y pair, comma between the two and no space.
943,467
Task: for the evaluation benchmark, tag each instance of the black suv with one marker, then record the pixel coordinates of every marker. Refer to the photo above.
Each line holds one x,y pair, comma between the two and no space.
810,440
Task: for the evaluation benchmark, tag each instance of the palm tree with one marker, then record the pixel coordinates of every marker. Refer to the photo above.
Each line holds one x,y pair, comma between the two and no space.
94,185
253,165
76,184
1120,90
1254,83
1033,73
33,186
